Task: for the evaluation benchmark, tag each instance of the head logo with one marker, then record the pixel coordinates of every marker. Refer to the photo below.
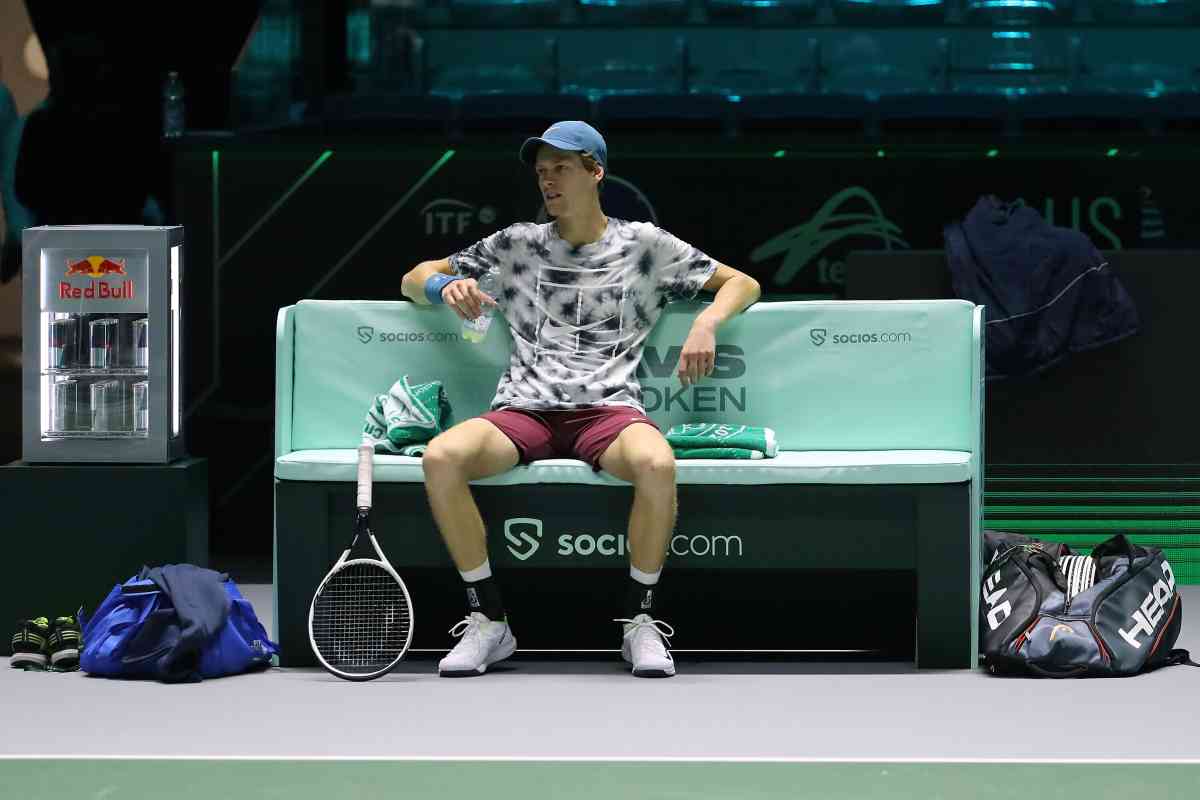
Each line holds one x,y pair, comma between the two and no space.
96,267
446,216
525,543
1065,630
365,333
801,244
818,336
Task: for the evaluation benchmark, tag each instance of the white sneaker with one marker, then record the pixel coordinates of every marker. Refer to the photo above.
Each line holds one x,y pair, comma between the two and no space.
644,646
482,643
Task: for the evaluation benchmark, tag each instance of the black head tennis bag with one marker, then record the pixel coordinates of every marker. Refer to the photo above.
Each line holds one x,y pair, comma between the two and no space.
1048,612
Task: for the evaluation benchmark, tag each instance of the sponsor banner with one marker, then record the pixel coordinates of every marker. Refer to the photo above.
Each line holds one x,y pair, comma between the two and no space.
83,281
533,542
792,223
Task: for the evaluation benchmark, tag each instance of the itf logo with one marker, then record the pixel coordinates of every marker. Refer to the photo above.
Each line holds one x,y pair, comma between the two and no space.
523,543
446,216
365,333
818,336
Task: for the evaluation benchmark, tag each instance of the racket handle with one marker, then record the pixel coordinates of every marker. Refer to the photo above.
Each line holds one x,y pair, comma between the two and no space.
366,455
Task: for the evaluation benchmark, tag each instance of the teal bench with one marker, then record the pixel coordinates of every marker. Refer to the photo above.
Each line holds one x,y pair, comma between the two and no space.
877,407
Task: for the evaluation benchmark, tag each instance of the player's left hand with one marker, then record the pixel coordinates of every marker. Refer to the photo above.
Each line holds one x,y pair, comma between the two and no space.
699,355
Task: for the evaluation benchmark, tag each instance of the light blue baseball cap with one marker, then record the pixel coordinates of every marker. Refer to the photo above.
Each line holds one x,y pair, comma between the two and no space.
572,135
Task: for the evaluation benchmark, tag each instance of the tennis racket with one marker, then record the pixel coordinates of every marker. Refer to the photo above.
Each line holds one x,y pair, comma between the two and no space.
360,620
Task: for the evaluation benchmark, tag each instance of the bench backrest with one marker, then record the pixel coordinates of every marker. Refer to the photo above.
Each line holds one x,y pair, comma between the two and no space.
826,375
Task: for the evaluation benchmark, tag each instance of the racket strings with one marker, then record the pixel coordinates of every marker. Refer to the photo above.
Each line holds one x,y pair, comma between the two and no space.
361,619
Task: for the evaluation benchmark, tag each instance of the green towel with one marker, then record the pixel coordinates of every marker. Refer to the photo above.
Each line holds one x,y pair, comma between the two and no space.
716,452
721,441
403,420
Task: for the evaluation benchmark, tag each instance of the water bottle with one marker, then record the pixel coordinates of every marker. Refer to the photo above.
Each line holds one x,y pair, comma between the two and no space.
173,106
475,330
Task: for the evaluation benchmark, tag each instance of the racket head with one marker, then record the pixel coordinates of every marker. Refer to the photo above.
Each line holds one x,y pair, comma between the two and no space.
360,620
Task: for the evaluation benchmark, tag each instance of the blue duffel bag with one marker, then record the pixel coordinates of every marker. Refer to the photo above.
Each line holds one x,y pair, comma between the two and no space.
174,623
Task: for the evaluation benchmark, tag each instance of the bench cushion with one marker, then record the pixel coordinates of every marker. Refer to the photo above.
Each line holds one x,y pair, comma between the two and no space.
808,466
846,375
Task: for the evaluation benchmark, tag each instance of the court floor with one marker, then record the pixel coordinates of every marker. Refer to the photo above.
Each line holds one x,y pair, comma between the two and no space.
585,728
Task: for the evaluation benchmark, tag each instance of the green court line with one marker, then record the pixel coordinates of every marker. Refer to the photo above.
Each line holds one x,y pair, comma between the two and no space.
216,209
52,779
1102,495
391,212
1092,479
1094,524
1077,465
1131,509
308,173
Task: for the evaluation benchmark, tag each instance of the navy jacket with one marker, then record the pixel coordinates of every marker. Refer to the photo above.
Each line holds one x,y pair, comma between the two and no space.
174,636
1048,291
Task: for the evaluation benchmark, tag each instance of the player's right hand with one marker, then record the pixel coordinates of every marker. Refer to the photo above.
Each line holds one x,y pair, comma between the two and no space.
466,298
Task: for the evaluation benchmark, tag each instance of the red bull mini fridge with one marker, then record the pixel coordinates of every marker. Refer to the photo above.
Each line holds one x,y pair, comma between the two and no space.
102,344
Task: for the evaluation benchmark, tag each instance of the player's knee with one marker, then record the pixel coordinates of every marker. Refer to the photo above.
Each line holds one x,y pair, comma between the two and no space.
444,455
656,465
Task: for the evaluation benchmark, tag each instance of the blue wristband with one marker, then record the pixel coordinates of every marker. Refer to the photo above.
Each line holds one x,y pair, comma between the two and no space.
437,281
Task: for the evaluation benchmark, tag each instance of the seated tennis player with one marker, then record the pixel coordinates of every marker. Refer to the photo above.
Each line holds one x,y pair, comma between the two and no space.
580,295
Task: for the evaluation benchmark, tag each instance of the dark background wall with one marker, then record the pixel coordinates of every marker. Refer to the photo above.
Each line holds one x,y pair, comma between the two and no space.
331,146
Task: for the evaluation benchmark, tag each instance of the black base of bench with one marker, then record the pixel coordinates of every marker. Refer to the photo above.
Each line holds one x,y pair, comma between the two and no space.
752,568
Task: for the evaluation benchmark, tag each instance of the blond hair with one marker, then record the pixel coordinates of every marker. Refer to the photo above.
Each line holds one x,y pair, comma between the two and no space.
590,163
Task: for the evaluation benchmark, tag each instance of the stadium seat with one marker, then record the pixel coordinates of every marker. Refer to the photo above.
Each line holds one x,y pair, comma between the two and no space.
623,12
367,112
1146,79
762,12
876,80
746,80
500,13
889,11
703,112
1014,63
1166,12
617,76
811,113
1017,12
528,113
475,79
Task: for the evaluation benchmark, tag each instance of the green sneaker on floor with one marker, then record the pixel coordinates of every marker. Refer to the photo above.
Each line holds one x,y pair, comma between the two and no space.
30,643
65,643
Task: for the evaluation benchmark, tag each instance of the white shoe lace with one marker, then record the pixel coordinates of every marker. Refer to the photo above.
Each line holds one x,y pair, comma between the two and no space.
657,625
468,629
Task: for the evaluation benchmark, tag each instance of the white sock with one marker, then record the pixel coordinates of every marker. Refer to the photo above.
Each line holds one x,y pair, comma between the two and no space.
482,572
644,578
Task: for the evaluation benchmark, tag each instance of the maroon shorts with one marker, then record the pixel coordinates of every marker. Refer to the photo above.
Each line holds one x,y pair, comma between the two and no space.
583,433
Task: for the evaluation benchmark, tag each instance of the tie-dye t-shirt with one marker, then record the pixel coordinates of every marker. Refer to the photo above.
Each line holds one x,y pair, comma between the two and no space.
579,316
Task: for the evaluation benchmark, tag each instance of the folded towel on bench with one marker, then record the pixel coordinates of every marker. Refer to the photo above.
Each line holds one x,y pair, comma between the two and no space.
716,452
403,419
714,440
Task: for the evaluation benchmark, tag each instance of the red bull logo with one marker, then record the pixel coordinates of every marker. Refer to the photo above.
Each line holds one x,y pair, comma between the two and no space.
96,267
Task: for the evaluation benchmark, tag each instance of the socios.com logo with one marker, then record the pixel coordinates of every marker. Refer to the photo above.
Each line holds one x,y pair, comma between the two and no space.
609,544
820,336
524,535
367,334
